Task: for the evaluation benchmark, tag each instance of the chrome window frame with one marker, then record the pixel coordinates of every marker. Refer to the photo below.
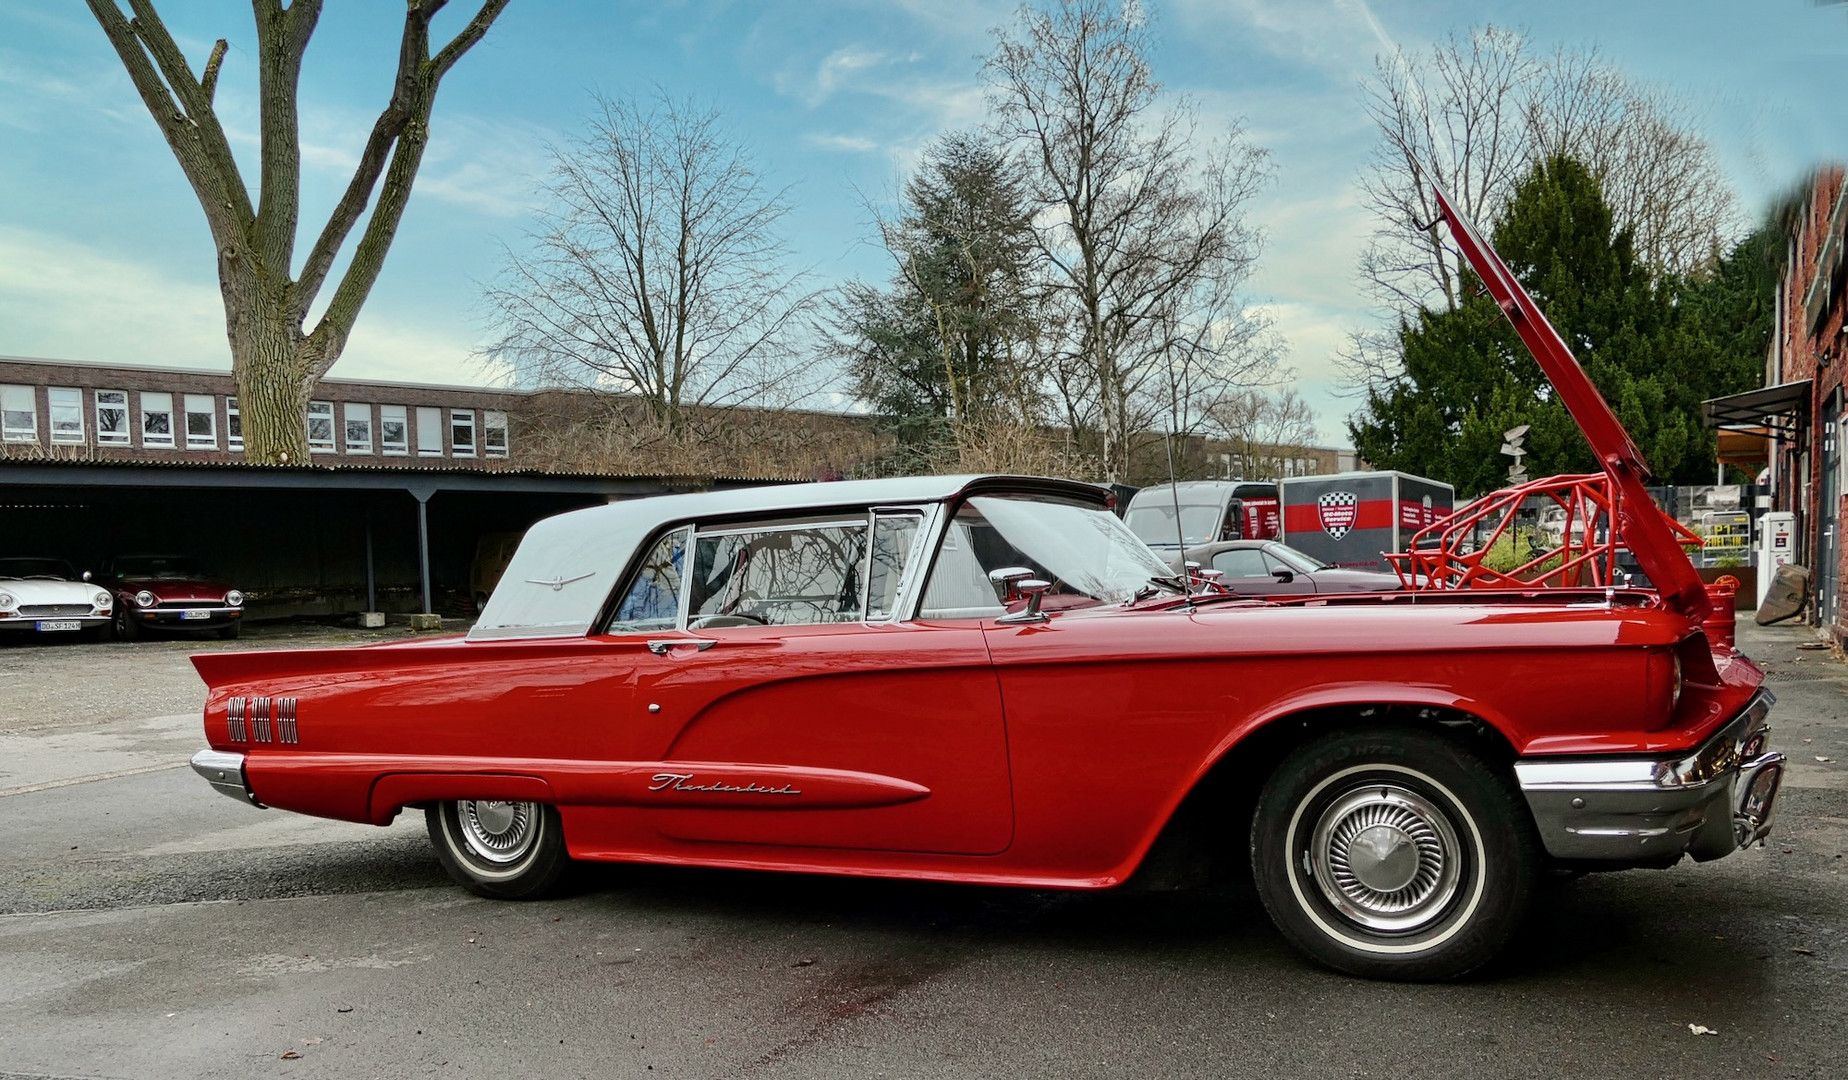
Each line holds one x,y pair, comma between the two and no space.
907,574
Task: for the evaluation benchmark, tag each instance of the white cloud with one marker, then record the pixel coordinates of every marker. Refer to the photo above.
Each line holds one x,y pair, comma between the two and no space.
64,300
837,68
855,144
1339,37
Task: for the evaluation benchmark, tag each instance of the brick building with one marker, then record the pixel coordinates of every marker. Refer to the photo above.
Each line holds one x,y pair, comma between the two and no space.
403,485
131,413
1794,426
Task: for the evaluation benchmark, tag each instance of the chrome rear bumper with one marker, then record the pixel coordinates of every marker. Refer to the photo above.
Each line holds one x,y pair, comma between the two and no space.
1649,811
225,772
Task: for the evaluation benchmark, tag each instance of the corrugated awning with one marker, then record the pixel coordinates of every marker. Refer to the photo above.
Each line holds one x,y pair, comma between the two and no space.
1782,409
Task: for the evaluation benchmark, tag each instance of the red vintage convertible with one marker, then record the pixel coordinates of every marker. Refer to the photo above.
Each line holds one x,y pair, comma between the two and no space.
989,679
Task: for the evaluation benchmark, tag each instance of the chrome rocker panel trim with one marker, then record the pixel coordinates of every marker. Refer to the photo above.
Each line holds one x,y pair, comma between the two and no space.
1650,811
225,772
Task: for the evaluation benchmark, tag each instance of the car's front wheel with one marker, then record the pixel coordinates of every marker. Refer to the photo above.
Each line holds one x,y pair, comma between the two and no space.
1394,853
499,849
122,624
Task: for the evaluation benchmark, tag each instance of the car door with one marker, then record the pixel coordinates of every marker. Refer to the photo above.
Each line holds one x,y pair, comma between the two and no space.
788,706
1248,572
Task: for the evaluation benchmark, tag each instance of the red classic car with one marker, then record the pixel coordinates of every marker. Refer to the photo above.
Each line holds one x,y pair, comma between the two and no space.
989,679
169,592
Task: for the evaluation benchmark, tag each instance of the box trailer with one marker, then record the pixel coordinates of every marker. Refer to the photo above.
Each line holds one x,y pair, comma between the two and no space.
1352,520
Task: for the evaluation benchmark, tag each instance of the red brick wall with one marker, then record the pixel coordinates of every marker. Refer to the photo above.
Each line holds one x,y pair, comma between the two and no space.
89,378
1814,349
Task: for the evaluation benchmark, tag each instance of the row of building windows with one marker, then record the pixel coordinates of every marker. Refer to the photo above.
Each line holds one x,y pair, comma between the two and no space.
197,423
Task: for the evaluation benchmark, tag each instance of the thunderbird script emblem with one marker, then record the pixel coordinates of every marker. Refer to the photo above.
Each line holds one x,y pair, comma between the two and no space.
560,582
1337,510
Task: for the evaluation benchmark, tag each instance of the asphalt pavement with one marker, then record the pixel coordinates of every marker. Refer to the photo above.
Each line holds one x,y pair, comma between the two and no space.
150,927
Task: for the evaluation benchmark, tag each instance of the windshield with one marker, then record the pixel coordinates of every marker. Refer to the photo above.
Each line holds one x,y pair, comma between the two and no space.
1154,523
1086,552
165,567
54,569
1295,559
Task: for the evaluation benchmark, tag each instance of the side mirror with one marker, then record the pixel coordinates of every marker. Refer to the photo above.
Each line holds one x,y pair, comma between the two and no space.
1285,576
1007,578
1032,589
86,575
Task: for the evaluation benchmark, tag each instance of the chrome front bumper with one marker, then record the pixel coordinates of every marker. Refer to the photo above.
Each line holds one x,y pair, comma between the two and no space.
1649,811
225,772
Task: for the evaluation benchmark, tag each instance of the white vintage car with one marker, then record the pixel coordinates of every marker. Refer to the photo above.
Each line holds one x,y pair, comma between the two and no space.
46,596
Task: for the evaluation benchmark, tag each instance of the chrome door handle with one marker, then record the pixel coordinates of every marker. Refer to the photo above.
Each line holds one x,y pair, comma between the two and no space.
659,646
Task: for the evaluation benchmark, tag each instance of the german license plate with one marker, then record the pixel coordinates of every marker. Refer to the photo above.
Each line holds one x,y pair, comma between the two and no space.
195,614
59,624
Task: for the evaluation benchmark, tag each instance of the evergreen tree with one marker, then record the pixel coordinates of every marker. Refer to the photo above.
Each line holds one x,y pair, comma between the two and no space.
1655,347
946,345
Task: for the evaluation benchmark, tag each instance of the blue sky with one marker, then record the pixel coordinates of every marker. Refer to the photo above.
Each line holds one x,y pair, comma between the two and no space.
104,254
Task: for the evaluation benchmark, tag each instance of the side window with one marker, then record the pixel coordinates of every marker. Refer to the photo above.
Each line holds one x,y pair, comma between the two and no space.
1233,528
1241,563
652,601
894,535
778,576
959,587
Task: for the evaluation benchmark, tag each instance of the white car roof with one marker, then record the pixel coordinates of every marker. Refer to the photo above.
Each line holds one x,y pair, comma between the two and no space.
557,581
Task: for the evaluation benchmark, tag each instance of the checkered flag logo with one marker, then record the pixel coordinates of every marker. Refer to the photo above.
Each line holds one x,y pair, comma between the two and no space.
1337,510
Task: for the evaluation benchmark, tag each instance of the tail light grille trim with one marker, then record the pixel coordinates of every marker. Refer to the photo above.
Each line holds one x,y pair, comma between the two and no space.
262,719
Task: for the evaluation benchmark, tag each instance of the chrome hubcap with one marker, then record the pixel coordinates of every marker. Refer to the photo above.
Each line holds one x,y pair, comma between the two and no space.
496,831
1385,857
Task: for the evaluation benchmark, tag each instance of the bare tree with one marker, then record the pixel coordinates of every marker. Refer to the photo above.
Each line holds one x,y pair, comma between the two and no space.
1263,430
1659,176
656,270
1141,237
274,357
1475,114
1454,116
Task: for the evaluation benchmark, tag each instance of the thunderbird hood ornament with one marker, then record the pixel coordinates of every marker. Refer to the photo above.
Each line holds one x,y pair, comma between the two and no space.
1645,531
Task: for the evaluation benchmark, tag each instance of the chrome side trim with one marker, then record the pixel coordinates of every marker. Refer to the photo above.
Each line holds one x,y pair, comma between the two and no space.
285,727
234,719
225,772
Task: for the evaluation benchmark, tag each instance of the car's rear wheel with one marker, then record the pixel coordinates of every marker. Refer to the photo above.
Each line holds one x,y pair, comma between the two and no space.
499,849
1394,853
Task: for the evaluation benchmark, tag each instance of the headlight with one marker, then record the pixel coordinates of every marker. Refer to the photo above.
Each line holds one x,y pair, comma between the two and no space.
8,601
234,598
144,598
101,599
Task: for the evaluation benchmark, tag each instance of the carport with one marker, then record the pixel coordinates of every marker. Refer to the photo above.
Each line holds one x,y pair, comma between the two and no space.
299,539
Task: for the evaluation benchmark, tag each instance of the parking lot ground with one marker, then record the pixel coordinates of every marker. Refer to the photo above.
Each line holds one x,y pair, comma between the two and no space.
152,928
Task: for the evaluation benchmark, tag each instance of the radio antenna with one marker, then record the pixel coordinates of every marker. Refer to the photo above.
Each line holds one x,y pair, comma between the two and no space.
1174,492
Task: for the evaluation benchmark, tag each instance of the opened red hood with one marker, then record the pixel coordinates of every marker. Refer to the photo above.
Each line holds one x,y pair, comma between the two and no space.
1645,532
